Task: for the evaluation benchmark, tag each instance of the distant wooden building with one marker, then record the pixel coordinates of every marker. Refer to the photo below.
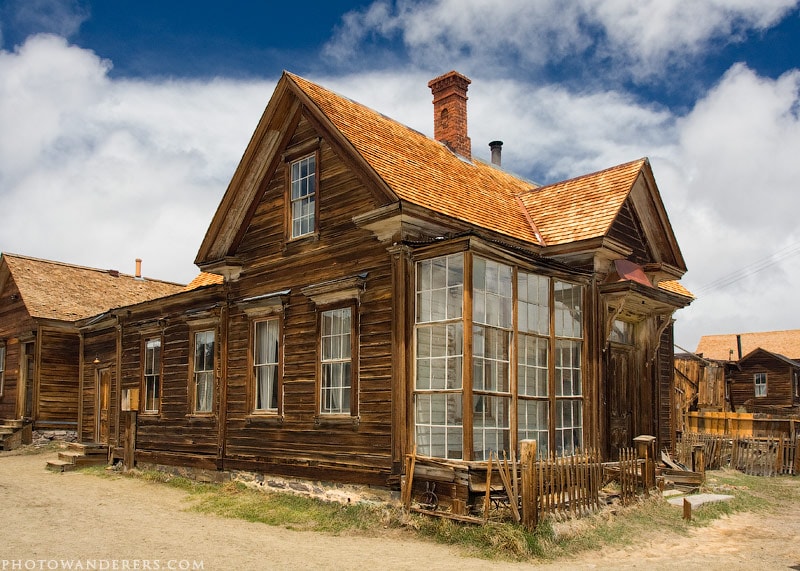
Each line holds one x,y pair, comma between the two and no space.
764,381
40,345
382,291
734,346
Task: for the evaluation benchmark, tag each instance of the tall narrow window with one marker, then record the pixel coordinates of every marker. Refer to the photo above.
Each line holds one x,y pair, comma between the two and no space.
491,343
265,363
439,356
152,375
203,381
533,350
336,361
2,367
760,382
303,196
568,317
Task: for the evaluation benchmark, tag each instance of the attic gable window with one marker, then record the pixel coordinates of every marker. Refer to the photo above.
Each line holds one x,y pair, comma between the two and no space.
760,384
303,197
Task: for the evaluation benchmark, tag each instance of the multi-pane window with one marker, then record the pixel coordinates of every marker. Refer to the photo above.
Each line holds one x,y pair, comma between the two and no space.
266,365
760,382
568,313
544,348
336,361
492,322
2,367
203,373
152,374
303,196
533,364
439,356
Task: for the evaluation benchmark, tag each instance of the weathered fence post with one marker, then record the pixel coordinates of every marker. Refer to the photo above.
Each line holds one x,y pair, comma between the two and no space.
646,450
530,514
698,460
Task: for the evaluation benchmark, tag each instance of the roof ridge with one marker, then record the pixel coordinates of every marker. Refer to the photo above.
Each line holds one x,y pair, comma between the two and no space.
81,267
642,160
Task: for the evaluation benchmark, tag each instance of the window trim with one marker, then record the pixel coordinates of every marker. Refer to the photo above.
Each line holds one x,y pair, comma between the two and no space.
757,384
252,384
354,360
146,338
193,333
288,214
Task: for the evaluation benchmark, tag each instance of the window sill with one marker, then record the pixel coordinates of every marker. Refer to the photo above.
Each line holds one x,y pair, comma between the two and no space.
325,420
201,417
264,420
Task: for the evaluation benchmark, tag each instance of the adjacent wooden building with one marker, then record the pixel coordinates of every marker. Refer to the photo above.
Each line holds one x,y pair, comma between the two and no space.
40,344
376,291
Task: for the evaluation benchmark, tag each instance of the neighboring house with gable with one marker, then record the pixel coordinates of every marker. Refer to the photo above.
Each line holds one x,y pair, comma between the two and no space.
763,368
40,345
384,292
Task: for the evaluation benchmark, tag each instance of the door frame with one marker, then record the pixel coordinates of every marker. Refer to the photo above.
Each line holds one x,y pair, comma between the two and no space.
100,374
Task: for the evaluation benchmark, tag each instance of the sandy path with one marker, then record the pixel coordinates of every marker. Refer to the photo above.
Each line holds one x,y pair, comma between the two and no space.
126,522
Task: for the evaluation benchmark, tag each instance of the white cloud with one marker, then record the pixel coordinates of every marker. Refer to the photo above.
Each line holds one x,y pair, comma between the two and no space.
640,37
98,172
61,17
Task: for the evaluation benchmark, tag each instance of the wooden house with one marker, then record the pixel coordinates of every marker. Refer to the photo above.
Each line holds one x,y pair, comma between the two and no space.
764,381
385,292
734,346
40,301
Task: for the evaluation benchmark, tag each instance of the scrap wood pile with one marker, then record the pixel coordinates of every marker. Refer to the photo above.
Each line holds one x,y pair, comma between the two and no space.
768,455
526,490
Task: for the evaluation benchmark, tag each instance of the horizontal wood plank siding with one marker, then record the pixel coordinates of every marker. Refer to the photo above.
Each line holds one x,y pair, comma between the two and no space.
57,405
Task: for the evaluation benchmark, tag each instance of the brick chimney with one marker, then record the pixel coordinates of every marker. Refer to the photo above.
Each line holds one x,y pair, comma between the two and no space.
450,111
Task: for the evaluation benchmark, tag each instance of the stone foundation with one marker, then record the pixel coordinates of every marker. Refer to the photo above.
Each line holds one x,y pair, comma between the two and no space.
45,437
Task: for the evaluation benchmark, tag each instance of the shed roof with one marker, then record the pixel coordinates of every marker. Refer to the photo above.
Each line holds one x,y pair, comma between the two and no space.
56,290
724,347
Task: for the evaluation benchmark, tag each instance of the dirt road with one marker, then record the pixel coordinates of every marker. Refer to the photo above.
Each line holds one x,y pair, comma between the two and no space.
54,521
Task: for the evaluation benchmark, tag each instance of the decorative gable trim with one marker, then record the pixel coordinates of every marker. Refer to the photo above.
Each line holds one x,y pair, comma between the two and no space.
336,291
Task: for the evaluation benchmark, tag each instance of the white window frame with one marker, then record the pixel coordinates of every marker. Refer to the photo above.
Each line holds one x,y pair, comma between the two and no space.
337,374
152,375
203,371
303,196
760,384
267,364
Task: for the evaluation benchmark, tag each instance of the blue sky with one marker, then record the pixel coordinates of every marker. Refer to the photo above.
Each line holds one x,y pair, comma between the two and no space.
122,122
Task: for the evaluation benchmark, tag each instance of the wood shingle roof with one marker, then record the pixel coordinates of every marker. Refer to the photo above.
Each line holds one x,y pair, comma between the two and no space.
724,347
56,290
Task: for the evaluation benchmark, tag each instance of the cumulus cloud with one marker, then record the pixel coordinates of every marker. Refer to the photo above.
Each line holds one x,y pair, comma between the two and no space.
60,17
637,38
98,171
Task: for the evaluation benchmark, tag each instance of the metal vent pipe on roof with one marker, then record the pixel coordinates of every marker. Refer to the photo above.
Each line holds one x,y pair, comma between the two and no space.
497,150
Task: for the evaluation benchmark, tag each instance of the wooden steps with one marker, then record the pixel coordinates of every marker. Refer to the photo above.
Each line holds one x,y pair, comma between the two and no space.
14,433
78,455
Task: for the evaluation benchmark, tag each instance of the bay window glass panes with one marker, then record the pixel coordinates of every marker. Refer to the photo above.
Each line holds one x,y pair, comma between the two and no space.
568,368
438,422
533,306
490,425
569,426
532,366
568,309
533,423
440,288
439,356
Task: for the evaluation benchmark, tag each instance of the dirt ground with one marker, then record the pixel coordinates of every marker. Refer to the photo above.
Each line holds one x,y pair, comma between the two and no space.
52,521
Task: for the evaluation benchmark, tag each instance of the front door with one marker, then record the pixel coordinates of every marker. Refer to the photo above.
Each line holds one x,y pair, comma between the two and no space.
619,382
103,404
26,380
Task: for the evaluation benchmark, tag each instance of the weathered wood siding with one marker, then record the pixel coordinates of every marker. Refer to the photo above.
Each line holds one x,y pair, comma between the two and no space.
356,450
101,345
628,230
779,382
14,322
57,402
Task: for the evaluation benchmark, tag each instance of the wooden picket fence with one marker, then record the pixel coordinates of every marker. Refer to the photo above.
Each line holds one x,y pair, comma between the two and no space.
568,486
756,456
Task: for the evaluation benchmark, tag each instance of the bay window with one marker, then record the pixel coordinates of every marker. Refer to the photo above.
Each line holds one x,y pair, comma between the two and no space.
524,379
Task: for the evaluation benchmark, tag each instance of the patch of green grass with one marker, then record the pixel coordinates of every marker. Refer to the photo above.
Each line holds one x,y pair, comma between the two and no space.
612,526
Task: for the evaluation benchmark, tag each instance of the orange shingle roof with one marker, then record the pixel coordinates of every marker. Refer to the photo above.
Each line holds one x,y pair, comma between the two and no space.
204,279
55,290
675,286
582,207
723,347
425,172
